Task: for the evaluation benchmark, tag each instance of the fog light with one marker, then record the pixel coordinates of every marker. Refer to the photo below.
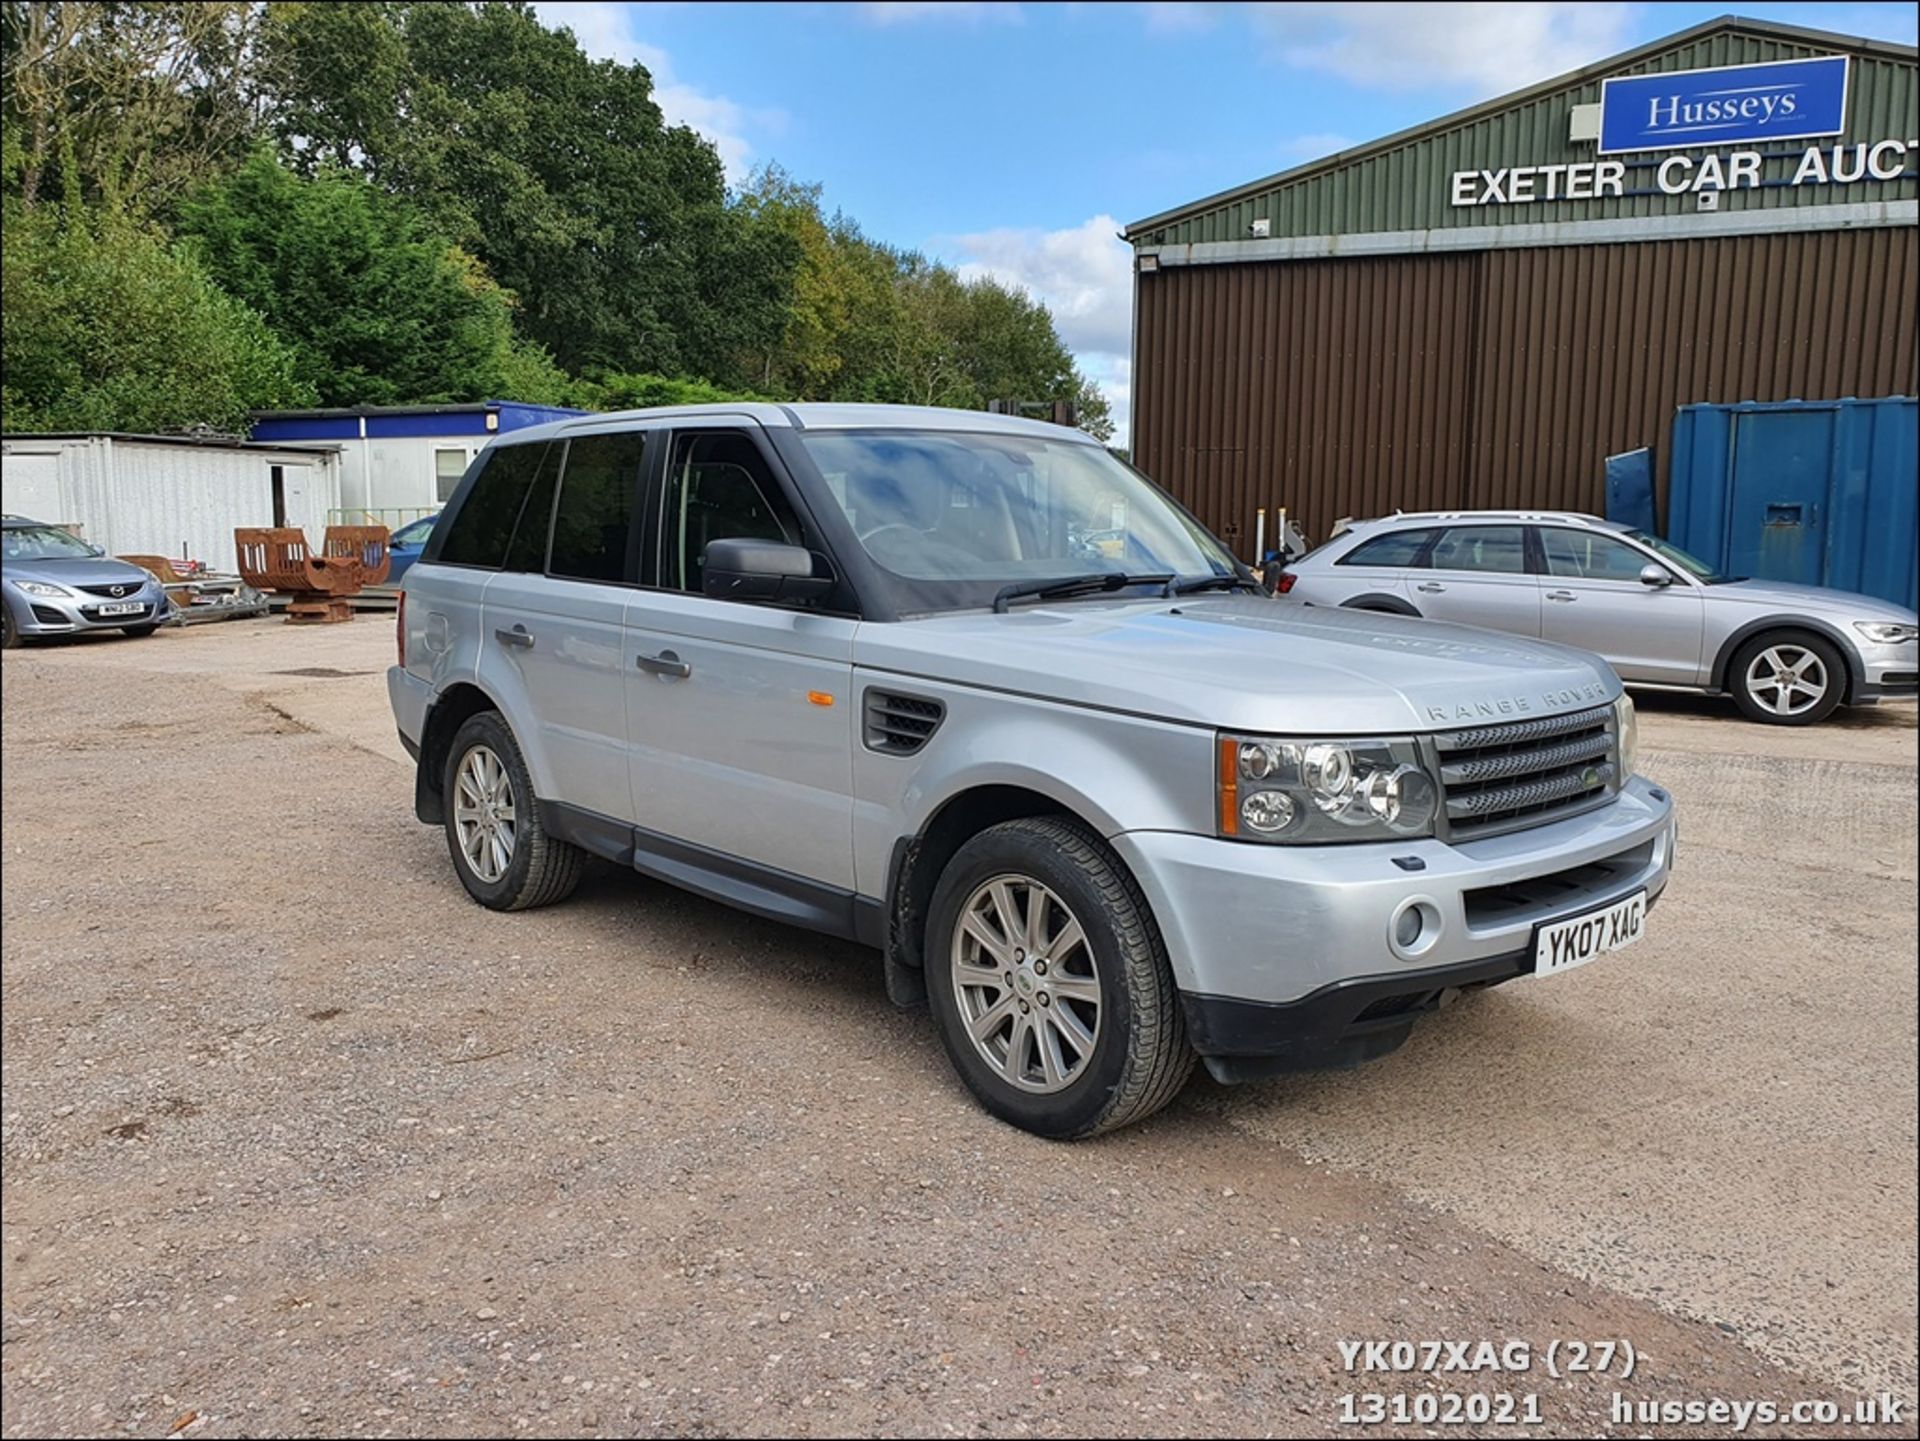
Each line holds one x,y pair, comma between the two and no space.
1407,929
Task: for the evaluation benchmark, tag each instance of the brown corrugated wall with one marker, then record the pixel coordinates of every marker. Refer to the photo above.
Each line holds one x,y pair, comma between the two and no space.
1497,378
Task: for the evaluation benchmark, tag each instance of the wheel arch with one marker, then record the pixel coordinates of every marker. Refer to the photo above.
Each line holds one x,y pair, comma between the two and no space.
1784,626
1382,602
453,708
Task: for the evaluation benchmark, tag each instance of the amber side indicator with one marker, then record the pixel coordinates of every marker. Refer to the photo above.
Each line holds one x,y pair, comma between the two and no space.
819,697
1229,788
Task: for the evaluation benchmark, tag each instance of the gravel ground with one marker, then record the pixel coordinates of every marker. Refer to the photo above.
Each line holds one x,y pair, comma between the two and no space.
299,1140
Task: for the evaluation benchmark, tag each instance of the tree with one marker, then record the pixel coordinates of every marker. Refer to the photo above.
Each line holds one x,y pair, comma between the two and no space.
378,309
108,328
144,100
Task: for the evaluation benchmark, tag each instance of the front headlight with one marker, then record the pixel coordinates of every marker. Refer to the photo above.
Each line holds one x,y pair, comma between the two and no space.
1316,791
1627,727
40,587
1886,632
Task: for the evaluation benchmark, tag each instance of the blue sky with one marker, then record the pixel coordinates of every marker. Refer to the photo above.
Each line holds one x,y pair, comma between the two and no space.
1017,138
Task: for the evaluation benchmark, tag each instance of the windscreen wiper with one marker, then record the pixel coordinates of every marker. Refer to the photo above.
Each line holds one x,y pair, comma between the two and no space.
1062,588
1213,582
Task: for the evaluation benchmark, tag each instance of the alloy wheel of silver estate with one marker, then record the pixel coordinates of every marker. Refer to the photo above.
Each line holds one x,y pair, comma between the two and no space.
1795,676
483,814
1026,984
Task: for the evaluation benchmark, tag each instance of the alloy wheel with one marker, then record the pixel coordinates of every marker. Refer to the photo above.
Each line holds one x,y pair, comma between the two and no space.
483,813
1026,983
1788,680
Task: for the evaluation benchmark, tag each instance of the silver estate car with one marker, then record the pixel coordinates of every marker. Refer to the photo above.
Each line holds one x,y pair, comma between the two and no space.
1787,654
969,690
54,584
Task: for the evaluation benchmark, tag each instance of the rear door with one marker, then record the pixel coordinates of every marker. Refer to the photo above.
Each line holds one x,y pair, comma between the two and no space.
740,715
1478,575
1592,596
555,617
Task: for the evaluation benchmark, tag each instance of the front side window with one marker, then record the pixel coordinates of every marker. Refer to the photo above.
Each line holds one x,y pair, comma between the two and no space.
718,488
952,517
1496,549
484,526
594,518
1588,555
1402,550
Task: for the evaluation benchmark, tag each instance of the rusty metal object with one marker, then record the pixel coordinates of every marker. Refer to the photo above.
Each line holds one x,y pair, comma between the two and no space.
199,594
318,587
368,543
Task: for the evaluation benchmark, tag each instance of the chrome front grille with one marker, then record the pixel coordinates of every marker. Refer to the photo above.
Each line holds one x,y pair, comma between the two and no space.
1505,777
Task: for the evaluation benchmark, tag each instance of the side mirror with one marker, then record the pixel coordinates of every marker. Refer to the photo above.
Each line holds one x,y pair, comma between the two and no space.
1657,576
761,570
95,550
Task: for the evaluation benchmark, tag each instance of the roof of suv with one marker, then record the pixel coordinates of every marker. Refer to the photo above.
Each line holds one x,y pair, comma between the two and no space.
820,416
1531,517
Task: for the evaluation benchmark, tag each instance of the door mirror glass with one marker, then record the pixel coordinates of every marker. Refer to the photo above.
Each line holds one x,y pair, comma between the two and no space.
1655,575
95,550
743,569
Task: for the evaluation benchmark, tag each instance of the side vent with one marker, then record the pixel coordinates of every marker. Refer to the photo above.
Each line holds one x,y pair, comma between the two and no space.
899,725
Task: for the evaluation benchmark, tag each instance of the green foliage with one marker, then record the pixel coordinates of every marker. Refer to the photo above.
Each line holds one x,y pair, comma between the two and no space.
108,328
378,309
455,203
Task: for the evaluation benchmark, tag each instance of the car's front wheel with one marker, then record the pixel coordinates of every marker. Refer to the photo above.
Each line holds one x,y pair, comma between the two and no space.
501,851
1050,983
9,632
1787,678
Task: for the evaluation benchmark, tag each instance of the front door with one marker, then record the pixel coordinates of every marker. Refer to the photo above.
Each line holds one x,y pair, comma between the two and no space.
740,716
1592,596
1478,575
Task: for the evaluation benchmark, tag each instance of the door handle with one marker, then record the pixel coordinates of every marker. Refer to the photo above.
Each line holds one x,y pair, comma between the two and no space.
1431,587
666,663
1560,595
517,636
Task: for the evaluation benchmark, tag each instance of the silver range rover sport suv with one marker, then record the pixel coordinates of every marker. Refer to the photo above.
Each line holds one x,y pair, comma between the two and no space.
970,690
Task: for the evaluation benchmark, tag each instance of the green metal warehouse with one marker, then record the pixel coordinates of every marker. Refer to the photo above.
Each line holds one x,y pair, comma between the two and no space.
1477,312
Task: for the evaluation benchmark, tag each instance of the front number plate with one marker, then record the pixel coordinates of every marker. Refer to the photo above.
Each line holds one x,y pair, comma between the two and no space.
1566,944
127,608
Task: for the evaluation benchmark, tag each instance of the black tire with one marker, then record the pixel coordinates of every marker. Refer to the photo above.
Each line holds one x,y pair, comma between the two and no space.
1141,1056
541,869
1790,644
9,632
140,632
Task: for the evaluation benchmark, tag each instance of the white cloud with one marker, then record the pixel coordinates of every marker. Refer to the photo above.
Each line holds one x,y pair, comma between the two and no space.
1083,275
1180,17
1490,47
604,32
1314,147
966,12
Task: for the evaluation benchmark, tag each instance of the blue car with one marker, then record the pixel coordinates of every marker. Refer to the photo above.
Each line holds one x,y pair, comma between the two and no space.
405,545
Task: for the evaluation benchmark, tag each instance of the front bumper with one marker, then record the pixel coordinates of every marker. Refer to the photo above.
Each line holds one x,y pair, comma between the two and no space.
1285,954
1887,672
76,614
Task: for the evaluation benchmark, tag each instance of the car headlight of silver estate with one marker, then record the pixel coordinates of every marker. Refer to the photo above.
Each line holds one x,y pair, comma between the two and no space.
1319,791
40,587
1886,632
1626,726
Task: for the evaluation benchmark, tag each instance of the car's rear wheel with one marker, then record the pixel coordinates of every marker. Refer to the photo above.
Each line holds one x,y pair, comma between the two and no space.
1050,983
502,853
1788,678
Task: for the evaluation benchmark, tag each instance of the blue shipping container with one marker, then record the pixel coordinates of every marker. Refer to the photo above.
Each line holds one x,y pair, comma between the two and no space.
1825,492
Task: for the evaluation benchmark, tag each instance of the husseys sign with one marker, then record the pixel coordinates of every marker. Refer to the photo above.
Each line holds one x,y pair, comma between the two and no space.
1752,105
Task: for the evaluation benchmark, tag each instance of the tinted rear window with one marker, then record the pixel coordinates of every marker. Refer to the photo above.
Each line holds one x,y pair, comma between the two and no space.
594,520
1402,549
483,527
